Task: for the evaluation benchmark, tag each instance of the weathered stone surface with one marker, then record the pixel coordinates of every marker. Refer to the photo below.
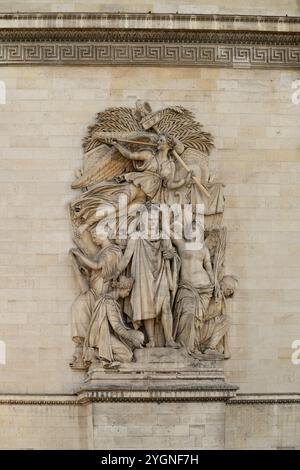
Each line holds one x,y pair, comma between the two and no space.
236,7
255,122
261,176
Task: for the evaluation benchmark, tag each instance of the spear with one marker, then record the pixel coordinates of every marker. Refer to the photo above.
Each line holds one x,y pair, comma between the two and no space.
194,178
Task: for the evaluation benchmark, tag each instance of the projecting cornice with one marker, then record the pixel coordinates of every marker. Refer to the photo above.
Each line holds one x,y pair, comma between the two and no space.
150,39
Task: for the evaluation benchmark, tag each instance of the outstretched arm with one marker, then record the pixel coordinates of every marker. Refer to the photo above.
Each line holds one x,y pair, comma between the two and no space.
133,135
142,155
124,261
85,260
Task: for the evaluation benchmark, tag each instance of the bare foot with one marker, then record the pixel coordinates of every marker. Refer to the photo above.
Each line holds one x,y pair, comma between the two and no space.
211,351
78,362
112,365
150,344
171,344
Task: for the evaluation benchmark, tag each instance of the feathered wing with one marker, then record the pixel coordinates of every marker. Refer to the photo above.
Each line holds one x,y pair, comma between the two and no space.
176,121
111,120
106,165
102,162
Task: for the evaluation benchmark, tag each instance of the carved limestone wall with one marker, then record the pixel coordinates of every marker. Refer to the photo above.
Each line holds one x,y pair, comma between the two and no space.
236,7
250,111
254,122
258,422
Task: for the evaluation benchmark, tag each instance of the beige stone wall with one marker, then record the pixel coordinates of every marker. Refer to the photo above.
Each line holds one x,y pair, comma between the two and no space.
238,7
209,425
25,427
256,130
263,426
159,426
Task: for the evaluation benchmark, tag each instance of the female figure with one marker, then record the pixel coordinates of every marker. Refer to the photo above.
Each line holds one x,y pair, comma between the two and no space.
155,170
98,269
153,179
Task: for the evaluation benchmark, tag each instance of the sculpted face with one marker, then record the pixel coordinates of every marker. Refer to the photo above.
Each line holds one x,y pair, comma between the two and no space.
228,292
99,237
194,232
162,143
124,293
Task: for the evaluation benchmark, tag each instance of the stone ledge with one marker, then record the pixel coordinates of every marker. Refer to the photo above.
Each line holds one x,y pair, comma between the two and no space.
38,399
158,374
90,395
103,35
150,21
221,394
149,40
264,398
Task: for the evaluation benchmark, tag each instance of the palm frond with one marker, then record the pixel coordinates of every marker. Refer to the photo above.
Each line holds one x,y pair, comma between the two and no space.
179,122
111,120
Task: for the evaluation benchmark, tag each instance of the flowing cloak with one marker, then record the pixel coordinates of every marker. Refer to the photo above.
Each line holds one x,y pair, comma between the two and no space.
83,305
105,330
154,278
106,193
215,203
190,305
81,314
149,182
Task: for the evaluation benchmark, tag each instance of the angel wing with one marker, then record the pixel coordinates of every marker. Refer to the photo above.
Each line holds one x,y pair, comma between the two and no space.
176,121
101,162
111,120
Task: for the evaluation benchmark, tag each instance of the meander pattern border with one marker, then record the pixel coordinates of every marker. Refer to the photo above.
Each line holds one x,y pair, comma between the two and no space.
150,54
51,40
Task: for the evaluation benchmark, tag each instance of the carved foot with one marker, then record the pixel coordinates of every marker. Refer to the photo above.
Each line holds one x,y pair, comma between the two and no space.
79,365
78,362
150,344
172,344
213,353
112,365
210,351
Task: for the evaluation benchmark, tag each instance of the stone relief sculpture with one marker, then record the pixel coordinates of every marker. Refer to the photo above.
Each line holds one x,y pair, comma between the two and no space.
144,282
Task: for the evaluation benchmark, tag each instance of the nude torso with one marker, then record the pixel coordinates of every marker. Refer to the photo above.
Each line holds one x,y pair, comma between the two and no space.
192,265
